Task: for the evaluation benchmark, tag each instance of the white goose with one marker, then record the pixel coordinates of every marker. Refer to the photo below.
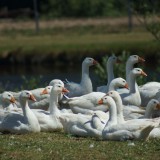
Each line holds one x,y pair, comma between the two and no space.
88,103
110,75
44,103
85,85
131,61
133,97
133,129
7,102
21,123
49,121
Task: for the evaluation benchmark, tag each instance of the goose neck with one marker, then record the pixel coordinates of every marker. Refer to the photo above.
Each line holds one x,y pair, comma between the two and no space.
129,67
110,73
53,105
112,115
132,83
119,105
148,112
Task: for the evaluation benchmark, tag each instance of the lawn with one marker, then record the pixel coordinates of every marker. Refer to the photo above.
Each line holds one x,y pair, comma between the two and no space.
62,146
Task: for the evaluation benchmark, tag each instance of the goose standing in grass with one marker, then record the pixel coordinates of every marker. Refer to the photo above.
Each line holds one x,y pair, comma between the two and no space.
88,103
85,86
21,123
110,74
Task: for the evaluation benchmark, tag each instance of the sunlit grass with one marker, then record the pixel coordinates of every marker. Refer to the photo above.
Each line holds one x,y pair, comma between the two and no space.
62,146
75,42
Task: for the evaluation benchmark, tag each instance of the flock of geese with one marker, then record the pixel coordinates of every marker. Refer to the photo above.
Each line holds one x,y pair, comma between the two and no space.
118,111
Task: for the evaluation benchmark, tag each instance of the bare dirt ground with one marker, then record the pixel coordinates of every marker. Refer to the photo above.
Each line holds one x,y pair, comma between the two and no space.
20,24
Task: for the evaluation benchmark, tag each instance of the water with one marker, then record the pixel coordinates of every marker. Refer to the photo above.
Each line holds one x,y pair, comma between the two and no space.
14,77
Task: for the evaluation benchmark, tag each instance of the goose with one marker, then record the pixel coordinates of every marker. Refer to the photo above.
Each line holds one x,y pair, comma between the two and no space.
85,86
17,123
49,121
132,112
131,61
110,75
44,103
133,97
153,105
7,102
117,121
148,93
133,129
88,103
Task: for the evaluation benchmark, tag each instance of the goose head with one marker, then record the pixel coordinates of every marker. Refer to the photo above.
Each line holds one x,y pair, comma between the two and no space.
8,97
47,90
113,59
135,59
89,61
138,71
56,81
113,94
154,104
107,100
120,82
58,88
27,95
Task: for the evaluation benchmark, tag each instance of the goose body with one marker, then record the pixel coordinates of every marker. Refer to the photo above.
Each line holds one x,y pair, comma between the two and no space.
85,86
21,123
88,103
133,97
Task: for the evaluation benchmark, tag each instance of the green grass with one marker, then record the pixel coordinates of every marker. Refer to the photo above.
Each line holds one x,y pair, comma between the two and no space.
62,146
136,41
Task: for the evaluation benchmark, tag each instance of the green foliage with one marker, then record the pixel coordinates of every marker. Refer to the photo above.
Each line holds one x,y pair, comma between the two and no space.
30,83
119,69
82,8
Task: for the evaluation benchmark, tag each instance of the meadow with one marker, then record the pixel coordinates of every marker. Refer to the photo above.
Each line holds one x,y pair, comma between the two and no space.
62,146
71,37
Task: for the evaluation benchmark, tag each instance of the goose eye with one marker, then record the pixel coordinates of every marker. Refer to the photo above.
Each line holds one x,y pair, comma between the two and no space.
105,98
135,56
59,86
111,92
27,93
9,95
123,81
154,102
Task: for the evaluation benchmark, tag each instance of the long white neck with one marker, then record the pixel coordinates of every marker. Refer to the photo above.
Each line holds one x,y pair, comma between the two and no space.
149,111
29,116
53,104
119,105
112,115
132,82
129,67
85,80
110,73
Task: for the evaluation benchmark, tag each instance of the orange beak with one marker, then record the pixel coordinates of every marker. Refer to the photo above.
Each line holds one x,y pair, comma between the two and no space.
143,73
140,59
12,100
64,90
126,86
158,106
100,101
95,62
44,92
32,98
